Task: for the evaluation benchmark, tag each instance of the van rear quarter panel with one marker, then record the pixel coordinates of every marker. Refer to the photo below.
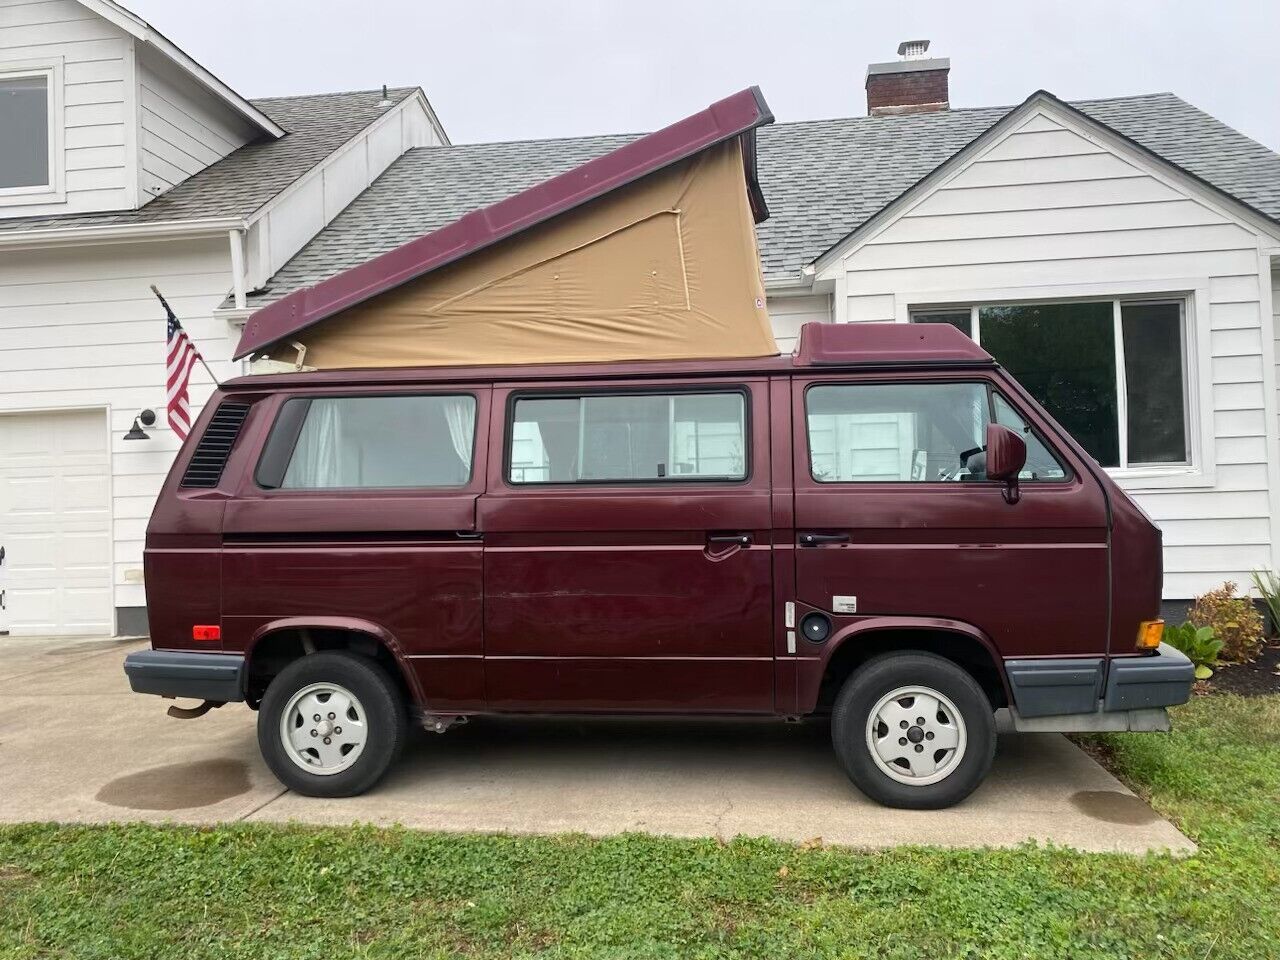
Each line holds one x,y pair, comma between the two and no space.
253,560
182,559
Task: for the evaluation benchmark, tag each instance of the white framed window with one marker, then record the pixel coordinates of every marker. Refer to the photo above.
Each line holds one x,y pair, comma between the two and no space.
31,132
1113,371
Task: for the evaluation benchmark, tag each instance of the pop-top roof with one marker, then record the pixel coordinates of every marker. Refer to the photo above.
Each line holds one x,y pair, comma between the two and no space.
735,116
843,345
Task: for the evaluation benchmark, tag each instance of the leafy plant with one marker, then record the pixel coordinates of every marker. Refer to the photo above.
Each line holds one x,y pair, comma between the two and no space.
1267,583
1198,643
1235,621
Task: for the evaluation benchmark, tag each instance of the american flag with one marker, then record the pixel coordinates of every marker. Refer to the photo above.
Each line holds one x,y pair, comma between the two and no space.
182,356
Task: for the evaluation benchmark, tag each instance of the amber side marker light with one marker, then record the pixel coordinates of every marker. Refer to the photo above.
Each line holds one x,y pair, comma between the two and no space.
206,632
1149,634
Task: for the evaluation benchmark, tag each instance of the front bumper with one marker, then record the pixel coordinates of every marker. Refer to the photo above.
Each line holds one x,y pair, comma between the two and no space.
179,673
1091,693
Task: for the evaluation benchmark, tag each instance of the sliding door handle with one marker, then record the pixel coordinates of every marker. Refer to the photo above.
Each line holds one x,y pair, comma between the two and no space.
817,539
741,539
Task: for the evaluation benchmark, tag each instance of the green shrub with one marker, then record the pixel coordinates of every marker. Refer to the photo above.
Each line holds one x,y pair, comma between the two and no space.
1268,585
1234,619
1198,643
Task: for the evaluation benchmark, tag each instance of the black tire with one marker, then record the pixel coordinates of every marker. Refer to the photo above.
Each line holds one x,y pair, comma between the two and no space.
385,718
881,676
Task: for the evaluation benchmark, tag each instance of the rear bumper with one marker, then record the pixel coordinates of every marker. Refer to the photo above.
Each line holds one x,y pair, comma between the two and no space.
177,673
1070,691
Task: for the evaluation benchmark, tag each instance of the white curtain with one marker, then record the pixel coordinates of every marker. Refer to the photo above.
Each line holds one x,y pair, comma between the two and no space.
460,414
317,460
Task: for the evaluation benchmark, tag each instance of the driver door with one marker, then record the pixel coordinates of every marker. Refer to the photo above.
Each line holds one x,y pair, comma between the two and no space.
894,515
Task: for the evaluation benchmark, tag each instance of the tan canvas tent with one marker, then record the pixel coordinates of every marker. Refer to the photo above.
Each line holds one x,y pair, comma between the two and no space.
663,266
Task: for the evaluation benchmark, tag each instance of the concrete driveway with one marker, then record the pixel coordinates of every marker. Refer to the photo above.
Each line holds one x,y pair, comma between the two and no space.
77,745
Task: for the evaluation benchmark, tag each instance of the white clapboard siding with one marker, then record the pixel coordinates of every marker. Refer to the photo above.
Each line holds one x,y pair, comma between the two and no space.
789,314
301,211
96,63
184,128
80,328
1050,207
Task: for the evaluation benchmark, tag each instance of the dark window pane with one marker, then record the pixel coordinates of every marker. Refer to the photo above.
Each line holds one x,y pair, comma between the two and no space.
1153,382
962,320
1064,354
24,132
353,442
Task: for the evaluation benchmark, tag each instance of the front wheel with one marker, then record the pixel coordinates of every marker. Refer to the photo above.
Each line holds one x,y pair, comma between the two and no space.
331,724
913,730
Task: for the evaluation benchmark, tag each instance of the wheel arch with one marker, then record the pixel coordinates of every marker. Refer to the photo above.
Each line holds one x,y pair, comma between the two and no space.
854,644
280,642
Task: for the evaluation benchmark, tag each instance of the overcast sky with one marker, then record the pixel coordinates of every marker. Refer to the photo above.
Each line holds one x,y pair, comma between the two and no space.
513,69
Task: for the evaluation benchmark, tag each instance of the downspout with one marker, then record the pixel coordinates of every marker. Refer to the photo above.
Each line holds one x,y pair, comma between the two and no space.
239,278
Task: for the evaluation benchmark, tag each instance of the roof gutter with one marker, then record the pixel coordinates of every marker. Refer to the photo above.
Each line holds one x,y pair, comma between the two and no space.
119,232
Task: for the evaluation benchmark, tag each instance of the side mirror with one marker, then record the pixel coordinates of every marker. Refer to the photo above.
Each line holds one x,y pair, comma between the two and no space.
1006,456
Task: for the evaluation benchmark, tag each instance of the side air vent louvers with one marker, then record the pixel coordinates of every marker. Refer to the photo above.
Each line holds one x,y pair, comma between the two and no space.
205,468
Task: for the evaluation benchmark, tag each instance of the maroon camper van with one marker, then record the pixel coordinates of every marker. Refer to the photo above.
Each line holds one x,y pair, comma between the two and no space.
883,528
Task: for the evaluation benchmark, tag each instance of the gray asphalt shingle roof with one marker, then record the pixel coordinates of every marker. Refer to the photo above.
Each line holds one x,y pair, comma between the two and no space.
244,180
821,178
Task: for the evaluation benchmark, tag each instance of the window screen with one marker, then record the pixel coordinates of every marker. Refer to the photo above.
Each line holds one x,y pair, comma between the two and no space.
24,132
618,437
369,442
1154,375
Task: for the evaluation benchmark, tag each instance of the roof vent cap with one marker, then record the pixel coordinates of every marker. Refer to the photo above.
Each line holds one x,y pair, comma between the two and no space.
913,49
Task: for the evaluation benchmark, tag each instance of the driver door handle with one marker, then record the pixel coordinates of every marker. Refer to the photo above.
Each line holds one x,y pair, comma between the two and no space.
817,539
741,539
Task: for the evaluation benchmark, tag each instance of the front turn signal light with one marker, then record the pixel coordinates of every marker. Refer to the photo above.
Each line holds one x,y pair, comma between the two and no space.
1149,634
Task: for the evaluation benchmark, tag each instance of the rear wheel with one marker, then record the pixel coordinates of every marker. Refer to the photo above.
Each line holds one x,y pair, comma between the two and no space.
331,724
914,730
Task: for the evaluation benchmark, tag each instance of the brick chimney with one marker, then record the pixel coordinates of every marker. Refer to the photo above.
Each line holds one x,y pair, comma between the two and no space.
915,84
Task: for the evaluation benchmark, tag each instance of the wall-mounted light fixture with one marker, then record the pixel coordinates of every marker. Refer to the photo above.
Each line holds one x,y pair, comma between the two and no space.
148,418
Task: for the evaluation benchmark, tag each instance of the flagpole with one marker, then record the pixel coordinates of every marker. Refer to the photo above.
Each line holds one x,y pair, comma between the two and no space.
199,356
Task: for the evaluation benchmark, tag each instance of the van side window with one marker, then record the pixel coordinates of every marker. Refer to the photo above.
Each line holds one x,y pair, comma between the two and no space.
894,432
370,442
601,438
912,433
1041,464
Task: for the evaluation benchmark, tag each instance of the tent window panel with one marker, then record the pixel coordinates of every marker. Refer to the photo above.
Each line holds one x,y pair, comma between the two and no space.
603,438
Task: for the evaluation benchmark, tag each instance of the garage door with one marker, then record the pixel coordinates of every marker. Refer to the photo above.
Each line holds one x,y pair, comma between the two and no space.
55,523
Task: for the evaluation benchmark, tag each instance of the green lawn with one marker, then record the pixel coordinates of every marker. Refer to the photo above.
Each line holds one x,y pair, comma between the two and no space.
327,893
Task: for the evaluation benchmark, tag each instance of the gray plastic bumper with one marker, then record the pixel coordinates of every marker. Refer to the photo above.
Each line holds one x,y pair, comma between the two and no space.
177,673
1076,688
1160,680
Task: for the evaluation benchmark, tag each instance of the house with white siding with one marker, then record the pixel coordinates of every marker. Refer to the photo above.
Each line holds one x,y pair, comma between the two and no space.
125,163
1119,256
